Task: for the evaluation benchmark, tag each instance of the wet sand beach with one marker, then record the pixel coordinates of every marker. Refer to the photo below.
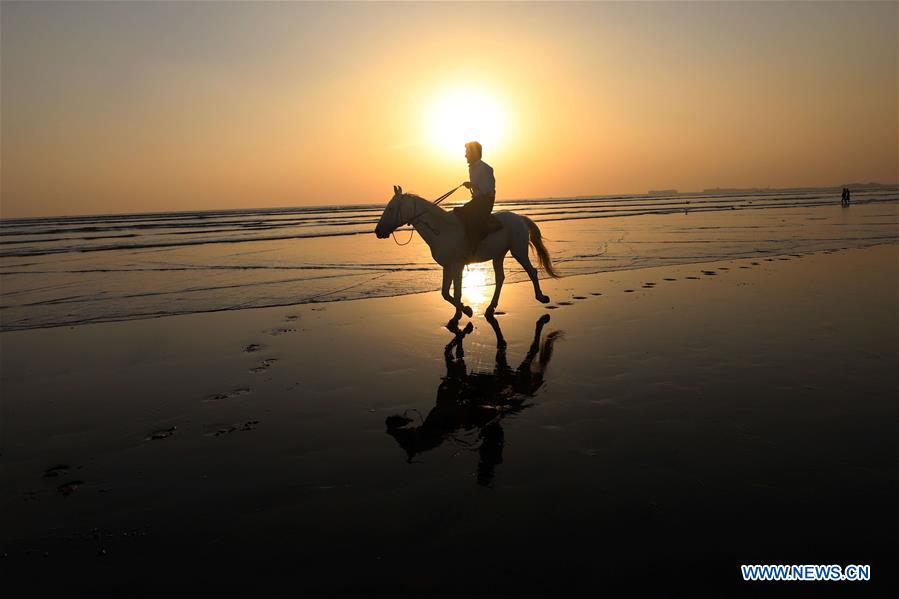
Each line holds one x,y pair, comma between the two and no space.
654,428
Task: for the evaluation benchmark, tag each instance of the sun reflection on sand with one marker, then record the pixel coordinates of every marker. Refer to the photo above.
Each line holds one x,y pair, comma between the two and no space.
477,286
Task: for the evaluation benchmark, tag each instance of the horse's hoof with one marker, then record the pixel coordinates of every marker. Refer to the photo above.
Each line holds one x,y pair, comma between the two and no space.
489,311
468,328
467,311
543,320
543,299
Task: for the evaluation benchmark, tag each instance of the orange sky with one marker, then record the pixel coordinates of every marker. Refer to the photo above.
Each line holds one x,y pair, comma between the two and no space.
132,107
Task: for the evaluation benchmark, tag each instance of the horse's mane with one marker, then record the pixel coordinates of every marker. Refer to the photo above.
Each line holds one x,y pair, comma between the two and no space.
431,207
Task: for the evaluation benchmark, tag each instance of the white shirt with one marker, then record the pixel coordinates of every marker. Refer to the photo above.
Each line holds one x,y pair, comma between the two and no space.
481,174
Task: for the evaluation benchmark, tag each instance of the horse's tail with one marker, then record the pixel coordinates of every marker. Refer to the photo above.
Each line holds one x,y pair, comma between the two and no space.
536,241
546,349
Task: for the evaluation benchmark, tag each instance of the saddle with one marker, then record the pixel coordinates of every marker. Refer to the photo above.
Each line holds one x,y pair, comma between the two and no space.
492,225
477,224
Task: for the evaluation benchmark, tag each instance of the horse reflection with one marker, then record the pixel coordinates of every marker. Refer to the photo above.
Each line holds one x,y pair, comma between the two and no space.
477,402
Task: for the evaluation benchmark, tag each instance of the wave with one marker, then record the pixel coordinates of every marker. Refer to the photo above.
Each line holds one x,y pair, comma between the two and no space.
91,269
41,237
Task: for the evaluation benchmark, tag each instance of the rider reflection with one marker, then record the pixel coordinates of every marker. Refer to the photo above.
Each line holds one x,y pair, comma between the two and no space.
477,401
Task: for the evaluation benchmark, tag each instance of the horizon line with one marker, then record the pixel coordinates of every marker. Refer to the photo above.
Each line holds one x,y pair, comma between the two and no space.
706,191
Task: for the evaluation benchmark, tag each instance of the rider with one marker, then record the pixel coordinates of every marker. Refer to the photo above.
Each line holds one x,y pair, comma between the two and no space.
475,215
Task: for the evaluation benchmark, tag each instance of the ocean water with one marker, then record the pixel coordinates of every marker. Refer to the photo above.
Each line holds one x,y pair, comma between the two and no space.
66,271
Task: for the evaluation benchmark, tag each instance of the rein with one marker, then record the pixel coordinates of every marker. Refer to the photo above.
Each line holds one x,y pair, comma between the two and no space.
417,215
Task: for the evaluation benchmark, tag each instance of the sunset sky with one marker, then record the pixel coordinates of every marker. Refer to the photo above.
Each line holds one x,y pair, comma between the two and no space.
113,107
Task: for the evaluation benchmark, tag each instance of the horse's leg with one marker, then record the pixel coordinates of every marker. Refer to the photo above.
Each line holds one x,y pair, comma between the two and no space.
499,276
457,294
535,344
447,279
520,252
456,275
494,324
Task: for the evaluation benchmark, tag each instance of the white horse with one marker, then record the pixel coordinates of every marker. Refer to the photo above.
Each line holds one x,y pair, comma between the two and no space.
445,235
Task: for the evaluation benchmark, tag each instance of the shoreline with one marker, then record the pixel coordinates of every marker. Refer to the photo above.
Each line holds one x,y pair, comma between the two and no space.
507,285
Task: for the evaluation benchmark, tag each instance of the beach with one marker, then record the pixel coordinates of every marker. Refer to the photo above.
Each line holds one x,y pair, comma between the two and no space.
661,427
231,363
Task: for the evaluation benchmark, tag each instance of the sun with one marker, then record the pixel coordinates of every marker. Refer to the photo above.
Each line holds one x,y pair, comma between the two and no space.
464,115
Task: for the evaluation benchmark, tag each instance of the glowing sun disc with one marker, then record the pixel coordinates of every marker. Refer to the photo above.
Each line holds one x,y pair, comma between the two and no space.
466,115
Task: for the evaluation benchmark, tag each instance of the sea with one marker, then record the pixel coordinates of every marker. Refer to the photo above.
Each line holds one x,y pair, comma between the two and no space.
73,270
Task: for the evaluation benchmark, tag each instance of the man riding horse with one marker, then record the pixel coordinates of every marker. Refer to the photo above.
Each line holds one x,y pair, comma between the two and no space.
476,214
470,234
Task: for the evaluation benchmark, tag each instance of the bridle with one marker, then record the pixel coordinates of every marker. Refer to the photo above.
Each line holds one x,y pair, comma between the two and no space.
416,215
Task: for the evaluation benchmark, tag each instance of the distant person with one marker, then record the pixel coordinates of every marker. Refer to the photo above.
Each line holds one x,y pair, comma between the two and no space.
475,215
847,197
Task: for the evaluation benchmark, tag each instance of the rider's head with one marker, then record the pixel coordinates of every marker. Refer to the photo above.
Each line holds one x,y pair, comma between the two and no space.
472,151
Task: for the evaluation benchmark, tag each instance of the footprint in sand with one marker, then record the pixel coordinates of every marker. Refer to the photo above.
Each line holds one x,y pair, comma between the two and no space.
58,470
281,331
769,259
499,313
565,303
252,347
723,268
580,297
596,293
70,487
551,307
648,286
710,273
744,267
628,290
754,263
669,279
783,258
693,278
228,395
265,365
249,425
291,317
161,434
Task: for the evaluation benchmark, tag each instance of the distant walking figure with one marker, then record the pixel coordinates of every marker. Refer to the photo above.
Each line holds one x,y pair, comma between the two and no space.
846,197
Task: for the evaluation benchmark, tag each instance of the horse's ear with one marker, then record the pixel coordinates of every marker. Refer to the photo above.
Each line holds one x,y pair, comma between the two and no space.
396,190
399,190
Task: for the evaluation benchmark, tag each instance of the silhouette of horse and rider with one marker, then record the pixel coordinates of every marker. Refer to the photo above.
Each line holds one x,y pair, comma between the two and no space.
469,402
470,233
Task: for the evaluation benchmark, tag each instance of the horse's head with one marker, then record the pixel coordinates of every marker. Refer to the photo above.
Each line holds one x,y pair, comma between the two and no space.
390,218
